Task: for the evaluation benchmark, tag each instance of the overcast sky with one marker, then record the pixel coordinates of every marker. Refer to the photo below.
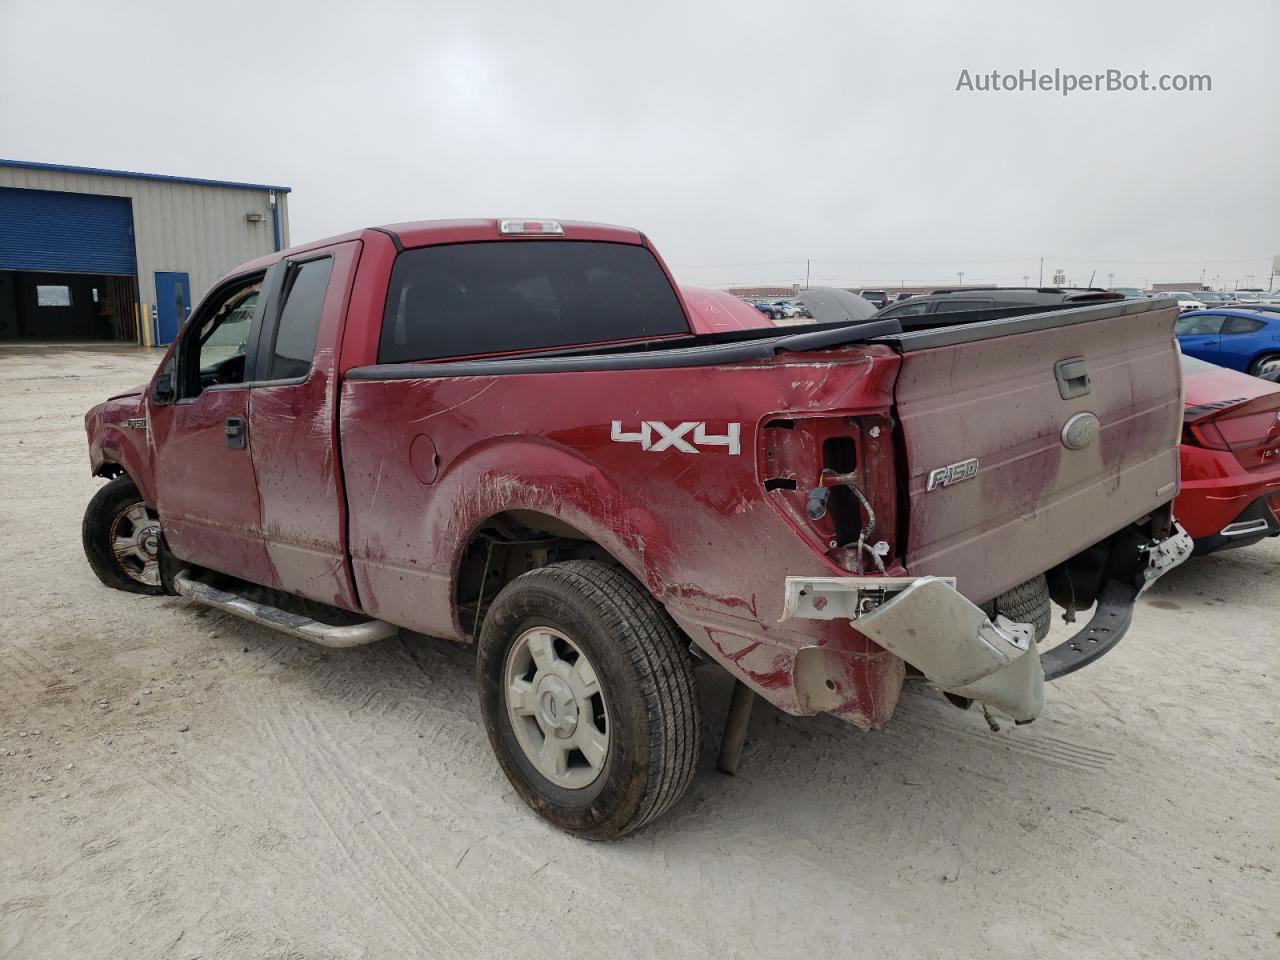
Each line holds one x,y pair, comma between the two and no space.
742,137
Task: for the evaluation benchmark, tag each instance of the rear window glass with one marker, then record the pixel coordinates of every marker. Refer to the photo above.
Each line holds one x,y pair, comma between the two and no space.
461,300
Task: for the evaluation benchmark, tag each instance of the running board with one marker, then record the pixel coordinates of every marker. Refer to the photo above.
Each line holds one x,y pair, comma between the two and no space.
294,624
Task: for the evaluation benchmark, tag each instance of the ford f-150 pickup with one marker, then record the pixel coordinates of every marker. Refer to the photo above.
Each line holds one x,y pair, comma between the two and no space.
523,434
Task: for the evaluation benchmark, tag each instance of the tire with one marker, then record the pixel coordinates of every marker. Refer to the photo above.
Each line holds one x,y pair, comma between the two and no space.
106,523
648,707
1264,363
1026,603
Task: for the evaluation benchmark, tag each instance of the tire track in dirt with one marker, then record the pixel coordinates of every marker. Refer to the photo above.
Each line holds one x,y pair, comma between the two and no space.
393,899
459,904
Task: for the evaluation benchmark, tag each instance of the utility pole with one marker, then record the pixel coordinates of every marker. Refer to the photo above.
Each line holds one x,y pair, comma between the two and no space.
1111,279
1026,277
806,274
1042,271
960,274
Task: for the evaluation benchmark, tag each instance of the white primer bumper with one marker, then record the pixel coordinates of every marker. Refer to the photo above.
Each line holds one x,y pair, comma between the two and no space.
936,629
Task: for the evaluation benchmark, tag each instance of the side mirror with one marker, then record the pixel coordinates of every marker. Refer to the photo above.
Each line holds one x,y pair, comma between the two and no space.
162,391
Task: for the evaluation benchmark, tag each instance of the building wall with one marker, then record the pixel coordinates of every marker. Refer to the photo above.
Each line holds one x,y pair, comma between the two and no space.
192,228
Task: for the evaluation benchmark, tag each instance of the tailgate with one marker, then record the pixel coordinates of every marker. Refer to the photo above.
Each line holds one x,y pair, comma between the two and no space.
998,492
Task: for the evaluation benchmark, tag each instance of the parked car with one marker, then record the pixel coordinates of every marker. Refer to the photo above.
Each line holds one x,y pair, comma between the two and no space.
1185,300
788,308
1211,298
517,434
1230,457
1240,338
1130,293
1246,296
878,297
903,296
980,298
768,309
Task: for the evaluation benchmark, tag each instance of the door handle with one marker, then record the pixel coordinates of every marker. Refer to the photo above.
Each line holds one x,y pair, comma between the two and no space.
1072,375
237,432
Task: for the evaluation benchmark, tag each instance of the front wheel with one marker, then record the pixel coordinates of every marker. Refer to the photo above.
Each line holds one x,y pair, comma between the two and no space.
121,537
588,698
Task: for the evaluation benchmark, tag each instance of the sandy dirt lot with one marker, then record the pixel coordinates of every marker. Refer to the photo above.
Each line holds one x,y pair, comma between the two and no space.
176,783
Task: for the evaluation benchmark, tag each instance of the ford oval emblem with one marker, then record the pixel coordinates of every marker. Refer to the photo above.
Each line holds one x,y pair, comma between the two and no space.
1080,431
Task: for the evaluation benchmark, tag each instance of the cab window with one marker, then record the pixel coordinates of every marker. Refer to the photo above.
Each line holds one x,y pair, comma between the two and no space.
472,299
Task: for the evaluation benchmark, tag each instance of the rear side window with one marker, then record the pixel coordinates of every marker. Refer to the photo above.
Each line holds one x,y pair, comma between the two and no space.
303,294
1242,325
461,300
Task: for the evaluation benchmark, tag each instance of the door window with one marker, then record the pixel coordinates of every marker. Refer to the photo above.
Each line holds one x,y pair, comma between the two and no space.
295,344
213,352
959,306
1204,324
907,310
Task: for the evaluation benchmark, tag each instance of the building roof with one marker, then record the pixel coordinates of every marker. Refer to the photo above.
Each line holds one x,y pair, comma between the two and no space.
130,175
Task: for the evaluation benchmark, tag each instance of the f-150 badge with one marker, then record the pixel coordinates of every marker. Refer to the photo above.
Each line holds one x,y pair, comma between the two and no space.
946,476
656,436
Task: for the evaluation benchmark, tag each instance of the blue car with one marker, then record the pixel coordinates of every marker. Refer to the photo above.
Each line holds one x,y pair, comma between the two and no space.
1240,338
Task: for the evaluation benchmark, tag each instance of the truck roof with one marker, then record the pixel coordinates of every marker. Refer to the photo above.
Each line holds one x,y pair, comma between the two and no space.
424,233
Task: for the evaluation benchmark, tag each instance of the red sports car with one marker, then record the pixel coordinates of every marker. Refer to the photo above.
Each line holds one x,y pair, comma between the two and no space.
1230,457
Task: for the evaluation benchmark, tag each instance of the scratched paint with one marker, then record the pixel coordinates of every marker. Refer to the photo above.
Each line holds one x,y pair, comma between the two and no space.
698,528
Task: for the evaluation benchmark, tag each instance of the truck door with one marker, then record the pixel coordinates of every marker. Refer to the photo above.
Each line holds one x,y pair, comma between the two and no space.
197,413
293,426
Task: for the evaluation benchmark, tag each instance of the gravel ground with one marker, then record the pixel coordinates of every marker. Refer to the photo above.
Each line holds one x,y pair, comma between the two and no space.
175,783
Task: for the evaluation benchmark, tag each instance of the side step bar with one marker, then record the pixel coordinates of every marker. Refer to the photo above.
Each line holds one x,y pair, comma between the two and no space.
305,628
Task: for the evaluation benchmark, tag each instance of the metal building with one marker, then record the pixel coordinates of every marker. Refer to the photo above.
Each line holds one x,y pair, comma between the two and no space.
90,254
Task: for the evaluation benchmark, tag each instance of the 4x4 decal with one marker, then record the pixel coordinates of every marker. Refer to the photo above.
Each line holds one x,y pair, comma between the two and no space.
654,435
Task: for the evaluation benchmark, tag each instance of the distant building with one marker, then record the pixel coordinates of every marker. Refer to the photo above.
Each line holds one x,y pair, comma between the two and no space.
1189,285
92,254
777,292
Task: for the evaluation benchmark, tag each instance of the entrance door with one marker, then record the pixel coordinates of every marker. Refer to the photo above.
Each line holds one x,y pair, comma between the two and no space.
206,491
173,305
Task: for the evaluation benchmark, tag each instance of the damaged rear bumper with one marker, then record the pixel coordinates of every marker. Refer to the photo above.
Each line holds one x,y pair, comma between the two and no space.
952,641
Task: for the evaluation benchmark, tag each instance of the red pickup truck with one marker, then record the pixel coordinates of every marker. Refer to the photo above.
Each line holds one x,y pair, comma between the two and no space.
524,434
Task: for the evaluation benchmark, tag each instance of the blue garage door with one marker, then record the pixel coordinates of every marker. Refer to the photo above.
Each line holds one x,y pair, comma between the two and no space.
59,232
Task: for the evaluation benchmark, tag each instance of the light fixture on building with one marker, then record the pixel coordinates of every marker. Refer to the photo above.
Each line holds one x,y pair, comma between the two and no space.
255,217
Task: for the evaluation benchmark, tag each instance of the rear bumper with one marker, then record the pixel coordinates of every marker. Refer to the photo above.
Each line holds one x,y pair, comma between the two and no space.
1255,522
952,641
1216,490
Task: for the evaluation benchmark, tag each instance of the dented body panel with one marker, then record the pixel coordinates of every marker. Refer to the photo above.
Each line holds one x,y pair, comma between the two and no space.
672,517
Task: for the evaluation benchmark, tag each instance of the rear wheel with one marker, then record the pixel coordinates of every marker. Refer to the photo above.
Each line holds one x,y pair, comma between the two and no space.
1265,364
588,698
121,537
